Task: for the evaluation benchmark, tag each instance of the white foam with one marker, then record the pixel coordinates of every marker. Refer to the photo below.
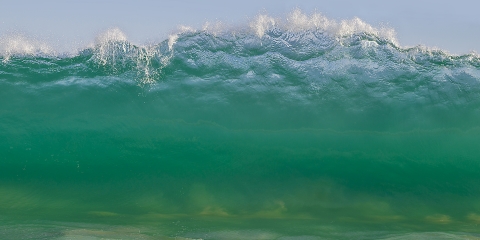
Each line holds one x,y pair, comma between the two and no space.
172,39
109,45
16,44
111,35
113,49
215,28
261,24
294,22
297,21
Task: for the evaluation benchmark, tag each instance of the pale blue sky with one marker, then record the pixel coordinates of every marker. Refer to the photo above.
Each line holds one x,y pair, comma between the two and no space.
449,25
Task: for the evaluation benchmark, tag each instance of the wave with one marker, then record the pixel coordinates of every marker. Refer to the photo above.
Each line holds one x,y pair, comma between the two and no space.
302,61
295,121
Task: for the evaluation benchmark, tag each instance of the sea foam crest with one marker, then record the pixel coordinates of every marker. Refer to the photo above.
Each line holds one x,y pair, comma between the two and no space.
20,45
111,35
297,21
114,53
109,45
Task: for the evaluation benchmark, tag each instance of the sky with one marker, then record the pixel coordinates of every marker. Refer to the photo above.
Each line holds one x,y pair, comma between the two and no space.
453,26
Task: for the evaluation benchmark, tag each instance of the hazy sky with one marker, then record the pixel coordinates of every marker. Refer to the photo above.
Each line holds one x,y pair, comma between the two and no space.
449,25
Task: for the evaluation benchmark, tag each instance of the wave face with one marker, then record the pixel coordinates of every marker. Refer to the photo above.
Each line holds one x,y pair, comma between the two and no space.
304,121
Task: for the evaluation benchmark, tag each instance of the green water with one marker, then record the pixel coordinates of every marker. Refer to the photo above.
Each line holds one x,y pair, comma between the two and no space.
225,142
211,178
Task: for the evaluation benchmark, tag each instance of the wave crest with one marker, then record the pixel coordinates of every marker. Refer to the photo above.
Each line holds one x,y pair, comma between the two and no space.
20,45
297,21
312,49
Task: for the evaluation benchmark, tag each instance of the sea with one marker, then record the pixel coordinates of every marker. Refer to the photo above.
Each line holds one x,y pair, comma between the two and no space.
293,128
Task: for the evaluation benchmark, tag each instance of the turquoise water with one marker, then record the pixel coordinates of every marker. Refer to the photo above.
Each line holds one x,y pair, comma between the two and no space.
284,133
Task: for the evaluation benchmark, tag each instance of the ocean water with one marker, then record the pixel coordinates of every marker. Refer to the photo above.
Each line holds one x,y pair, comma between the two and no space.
293,128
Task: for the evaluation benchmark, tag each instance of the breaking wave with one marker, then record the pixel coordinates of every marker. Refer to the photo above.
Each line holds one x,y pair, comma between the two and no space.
308,62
